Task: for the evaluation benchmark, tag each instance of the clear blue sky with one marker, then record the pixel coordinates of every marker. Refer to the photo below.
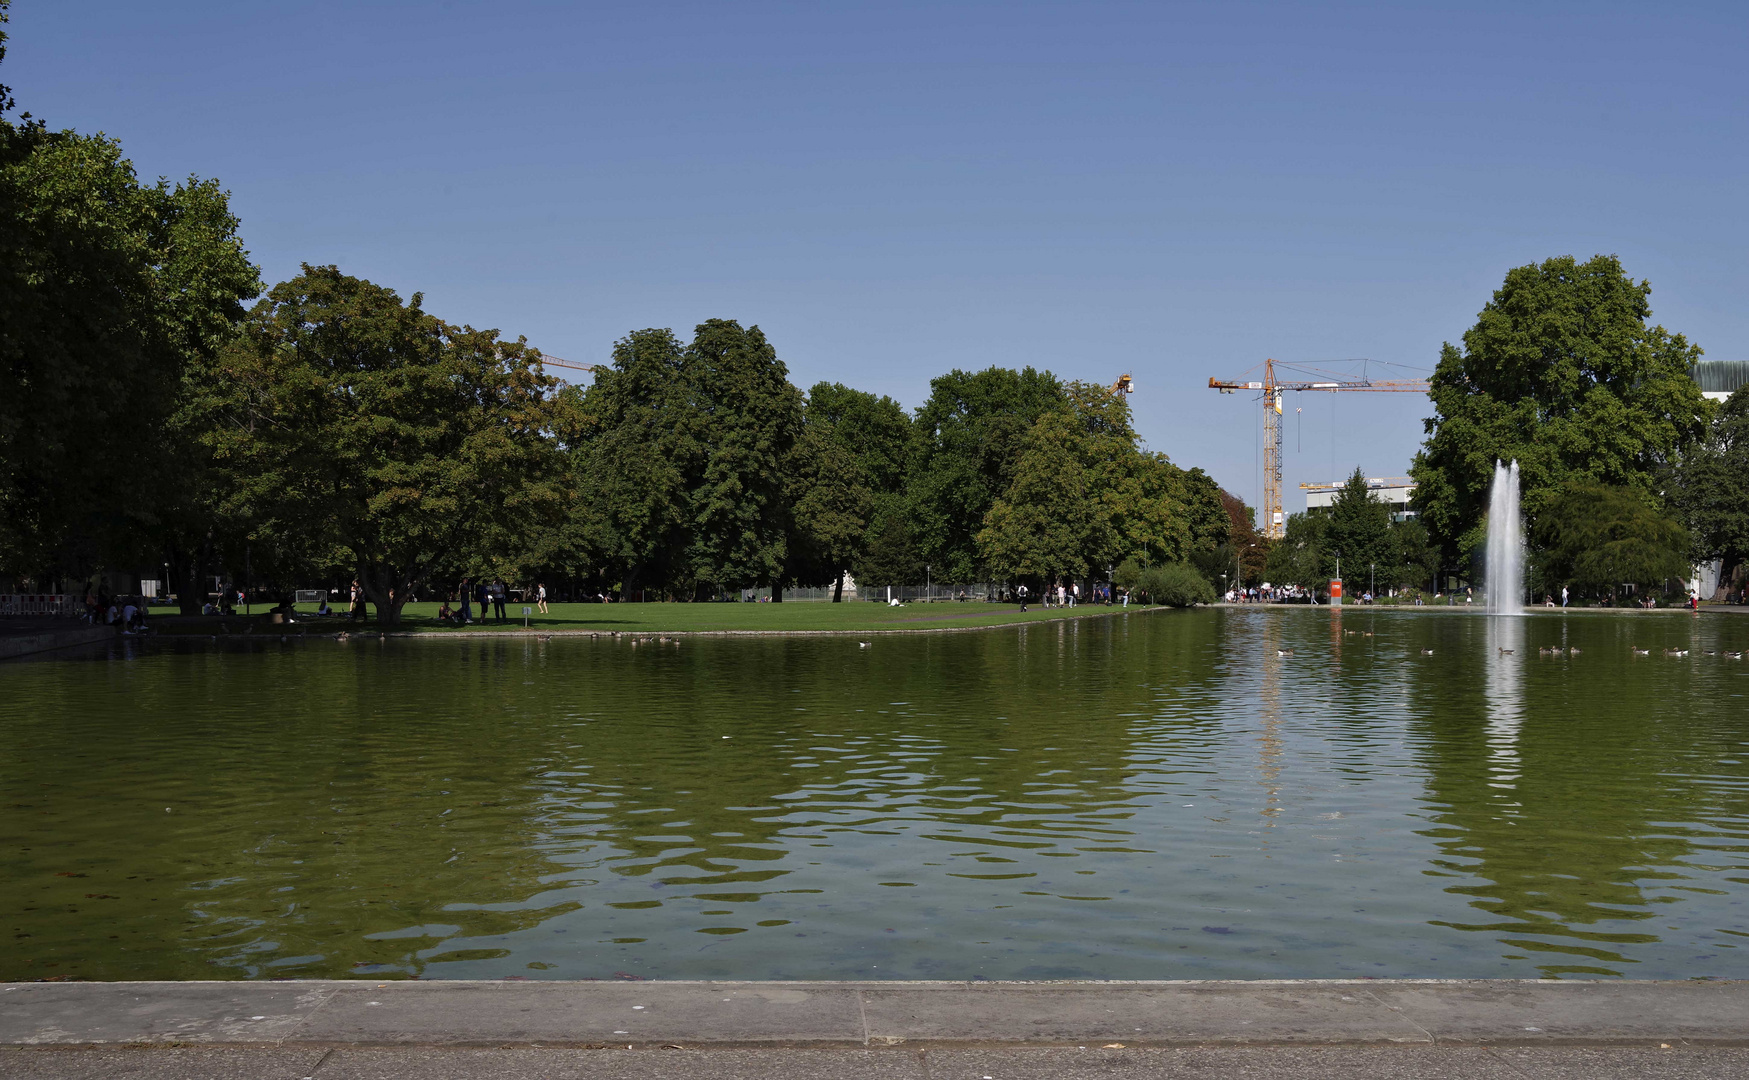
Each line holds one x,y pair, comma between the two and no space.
898,189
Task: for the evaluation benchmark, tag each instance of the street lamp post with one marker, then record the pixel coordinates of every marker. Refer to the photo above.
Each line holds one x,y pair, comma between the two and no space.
926,583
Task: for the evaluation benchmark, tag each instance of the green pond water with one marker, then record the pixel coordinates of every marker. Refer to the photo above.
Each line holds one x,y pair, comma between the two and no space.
1151,796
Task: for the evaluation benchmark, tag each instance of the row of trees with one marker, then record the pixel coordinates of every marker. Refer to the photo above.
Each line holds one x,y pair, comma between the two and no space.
704,469
156,417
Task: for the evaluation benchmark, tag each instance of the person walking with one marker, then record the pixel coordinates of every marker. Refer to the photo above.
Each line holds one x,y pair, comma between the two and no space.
1563,596
483,596
467,592
499,593
540,598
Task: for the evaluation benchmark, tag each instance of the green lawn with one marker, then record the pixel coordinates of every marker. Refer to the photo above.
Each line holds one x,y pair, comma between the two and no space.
681,618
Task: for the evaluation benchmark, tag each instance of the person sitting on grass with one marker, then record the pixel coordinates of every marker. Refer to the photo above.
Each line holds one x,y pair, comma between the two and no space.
445,614
322,609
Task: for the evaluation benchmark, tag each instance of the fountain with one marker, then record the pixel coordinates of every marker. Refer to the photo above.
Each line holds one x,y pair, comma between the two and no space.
1503,587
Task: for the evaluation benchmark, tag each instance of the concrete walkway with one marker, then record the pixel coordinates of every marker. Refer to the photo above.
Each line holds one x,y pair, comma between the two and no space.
334,1029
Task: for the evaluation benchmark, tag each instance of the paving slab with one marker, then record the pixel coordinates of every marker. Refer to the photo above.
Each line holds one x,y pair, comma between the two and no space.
161,1063
89,1013
490,1013
726,1064
1533,1011
922,1015
235,1062
1151,1014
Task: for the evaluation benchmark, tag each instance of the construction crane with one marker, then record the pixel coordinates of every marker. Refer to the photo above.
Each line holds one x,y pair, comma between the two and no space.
1121,386
1270,393
548,360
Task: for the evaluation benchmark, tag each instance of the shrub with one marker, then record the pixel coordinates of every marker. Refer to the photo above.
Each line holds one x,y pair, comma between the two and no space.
1176,585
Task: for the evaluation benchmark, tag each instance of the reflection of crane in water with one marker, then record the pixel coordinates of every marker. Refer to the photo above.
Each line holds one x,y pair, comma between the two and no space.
1270,740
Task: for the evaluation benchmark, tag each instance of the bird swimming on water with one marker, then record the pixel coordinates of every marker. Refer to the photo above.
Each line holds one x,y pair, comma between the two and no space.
1284,652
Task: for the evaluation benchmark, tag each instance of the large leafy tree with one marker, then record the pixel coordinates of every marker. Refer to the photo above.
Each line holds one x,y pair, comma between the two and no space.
1047,522
113,294
1084,496
848,465
359,424
642,457
1562,374
1711,488
967,447
1598,537
738,514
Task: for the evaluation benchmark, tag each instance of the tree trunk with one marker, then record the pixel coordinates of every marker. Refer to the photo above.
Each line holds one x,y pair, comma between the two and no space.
838,589
776,592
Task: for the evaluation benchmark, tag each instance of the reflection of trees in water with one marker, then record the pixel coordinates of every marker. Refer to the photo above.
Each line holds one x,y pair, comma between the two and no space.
1556,796
254,811
996,743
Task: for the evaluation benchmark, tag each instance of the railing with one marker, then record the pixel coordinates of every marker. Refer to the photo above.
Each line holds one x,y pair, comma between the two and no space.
39,604
928,594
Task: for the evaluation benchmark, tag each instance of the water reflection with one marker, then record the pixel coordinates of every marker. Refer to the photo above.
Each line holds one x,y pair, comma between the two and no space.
1251,793
1505,690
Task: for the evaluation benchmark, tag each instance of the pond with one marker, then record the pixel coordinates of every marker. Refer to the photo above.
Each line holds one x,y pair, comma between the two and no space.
1228,793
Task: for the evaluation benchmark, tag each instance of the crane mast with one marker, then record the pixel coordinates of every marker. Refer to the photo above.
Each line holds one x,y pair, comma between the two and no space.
1271,391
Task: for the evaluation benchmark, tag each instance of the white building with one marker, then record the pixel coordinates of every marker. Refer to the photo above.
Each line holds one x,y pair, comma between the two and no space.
1393,491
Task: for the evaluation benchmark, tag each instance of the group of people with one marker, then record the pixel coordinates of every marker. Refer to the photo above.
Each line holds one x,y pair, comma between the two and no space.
1064,594
126,613
1274,594
491,596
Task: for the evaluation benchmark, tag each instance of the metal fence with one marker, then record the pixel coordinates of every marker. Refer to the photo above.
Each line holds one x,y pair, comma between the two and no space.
905,594
926,594
39,604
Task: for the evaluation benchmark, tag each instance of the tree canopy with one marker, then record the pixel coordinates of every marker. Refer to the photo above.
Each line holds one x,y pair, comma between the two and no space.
1562,374
1599,537
359,428
1710,487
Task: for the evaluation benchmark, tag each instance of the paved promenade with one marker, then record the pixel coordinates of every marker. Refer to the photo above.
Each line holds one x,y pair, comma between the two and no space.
327,1030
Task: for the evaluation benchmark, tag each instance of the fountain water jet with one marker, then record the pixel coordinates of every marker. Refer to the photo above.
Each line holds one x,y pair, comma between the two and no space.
1503,588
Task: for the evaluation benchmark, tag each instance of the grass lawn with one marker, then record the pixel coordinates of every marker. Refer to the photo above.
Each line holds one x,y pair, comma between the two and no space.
682,618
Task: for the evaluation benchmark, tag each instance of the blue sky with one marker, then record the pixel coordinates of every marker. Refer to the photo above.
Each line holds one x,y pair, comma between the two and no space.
894,190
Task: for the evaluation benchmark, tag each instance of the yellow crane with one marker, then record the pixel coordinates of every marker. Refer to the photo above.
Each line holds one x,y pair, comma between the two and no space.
554,361
1270,390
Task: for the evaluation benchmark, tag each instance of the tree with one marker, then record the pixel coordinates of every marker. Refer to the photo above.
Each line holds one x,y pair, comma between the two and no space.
889,555
1561,374
1359,532
752,417
830,502
1598,536
1711,488
641,457
360,424
966,448
1177,585
851,456
1045,524
1417,557
1299,557
110,294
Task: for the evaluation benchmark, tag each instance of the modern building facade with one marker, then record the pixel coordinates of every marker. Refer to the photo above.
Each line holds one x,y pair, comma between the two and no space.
1393,491
1719,379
